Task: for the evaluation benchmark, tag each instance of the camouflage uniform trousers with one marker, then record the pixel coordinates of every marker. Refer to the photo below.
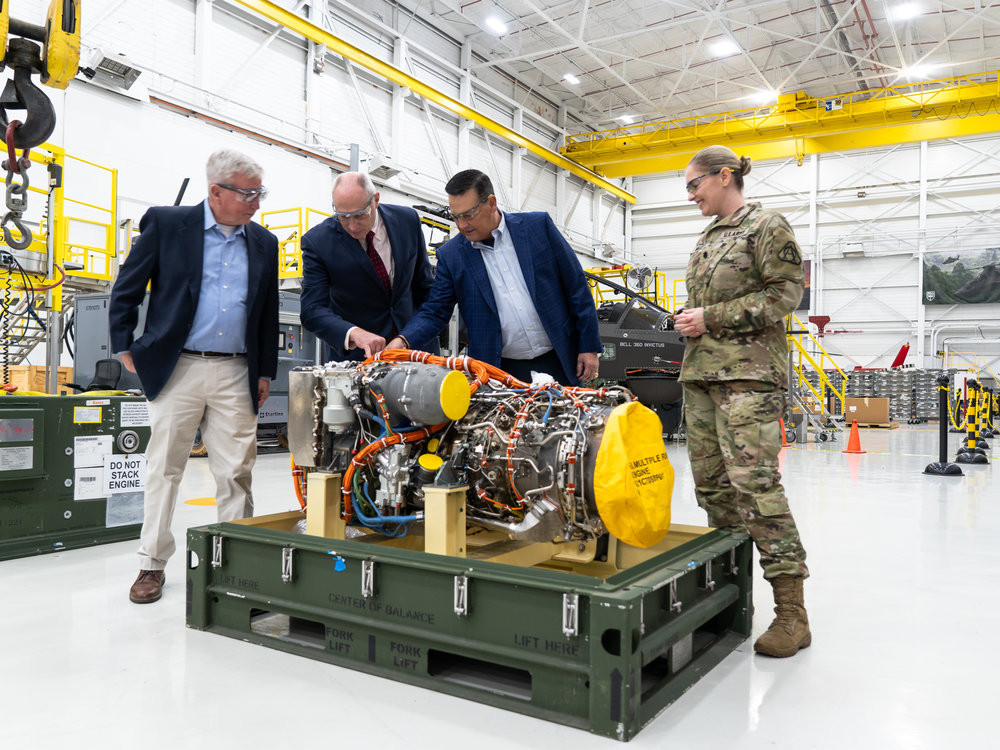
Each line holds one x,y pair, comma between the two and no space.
733,441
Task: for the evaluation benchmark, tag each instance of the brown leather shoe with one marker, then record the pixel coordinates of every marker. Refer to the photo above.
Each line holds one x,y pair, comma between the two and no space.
148,587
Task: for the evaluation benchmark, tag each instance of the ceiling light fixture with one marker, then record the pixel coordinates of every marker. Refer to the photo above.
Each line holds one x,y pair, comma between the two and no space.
494,24
723,47
571,79
904,12
917,72
627,119
764,98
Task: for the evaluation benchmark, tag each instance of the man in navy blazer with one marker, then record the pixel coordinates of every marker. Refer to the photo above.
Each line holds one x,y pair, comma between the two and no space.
518,285
209,348
364,271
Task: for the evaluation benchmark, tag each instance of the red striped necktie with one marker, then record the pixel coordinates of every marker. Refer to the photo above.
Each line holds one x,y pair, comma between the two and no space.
376,259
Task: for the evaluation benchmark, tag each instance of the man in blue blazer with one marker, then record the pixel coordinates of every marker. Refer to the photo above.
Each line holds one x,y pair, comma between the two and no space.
209,348
518,285
364,271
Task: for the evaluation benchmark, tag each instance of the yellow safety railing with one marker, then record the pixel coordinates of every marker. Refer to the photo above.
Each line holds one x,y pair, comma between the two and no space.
83,219
972,362
678,304
993,375
802,357
88,227
655,292
289,224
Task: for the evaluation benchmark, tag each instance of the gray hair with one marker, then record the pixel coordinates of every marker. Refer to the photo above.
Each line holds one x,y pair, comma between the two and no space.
225,163
711,158
360,179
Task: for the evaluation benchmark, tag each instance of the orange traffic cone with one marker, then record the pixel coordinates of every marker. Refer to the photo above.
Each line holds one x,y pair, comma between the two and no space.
784,438
854,441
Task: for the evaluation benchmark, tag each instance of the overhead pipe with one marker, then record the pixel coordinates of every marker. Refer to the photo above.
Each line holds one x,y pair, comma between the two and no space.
297,24
956,326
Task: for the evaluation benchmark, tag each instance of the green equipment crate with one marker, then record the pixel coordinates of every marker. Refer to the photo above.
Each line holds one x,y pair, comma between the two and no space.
602,646
72,471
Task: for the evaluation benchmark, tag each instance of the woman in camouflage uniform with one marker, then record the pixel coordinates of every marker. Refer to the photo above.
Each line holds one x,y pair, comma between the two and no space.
744,276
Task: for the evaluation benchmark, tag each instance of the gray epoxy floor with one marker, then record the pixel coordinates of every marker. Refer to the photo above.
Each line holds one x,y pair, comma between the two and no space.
903,602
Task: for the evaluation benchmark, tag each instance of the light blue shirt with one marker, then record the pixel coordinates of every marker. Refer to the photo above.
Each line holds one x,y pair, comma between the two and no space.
521,329
220,322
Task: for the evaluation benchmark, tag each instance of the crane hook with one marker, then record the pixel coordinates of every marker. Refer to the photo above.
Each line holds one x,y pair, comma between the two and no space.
20,93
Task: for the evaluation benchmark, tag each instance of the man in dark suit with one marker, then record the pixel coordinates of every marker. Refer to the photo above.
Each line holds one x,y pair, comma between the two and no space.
518,285
364,271
209,348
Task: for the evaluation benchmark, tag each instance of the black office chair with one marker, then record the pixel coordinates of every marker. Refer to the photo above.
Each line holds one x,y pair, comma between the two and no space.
107,373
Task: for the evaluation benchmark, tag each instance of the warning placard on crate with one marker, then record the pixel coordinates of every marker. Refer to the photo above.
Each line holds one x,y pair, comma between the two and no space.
124,473
87,415
16,458
134,414
90,450
88,483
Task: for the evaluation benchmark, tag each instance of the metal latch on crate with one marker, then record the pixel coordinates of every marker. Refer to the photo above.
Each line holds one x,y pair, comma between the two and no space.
571,615
733,567
675,603
287,560
709,581
367,579
461,595
216,551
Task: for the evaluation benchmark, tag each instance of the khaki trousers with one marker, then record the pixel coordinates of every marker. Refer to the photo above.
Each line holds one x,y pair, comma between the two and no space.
213,394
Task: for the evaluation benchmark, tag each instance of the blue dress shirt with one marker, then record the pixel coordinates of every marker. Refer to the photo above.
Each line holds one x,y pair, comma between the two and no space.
521,329
220,322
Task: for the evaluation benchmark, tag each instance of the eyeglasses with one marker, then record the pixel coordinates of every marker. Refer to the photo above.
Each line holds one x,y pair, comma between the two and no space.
471,213
361,213
247,195
693,185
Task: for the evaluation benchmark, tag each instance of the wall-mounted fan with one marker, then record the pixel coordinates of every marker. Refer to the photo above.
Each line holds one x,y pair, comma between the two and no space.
638,278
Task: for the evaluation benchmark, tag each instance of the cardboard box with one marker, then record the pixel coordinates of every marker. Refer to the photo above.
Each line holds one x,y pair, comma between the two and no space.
866,410
32,378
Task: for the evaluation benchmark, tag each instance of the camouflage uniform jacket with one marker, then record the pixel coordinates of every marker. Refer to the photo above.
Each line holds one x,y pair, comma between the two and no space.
746,271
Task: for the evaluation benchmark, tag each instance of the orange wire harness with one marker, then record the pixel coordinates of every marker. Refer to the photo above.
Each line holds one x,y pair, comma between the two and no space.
298,481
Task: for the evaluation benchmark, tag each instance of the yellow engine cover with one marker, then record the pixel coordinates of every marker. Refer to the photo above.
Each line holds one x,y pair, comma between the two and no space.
633,478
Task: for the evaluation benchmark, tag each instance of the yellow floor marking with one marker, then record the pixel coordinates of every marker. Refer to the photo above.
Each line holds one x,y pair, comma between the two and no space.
200,501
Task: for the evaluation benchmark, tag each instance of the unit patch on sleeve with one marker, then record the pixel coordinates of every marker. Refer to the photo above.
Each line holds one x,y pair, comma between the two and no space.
790,254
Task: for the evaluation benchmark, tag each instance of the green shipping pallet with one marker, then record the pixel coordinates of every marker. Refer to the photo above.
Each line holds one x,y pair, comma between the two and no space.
72,471
602,646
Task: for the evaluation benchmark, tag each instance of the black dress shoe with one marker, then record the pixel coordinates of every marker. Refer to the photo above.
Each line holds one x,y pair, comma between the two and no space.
148,587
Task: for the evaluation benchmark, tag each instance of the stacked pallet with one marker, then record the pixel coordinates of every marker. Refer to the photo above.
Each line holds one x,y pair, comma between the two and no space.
912,393
32,378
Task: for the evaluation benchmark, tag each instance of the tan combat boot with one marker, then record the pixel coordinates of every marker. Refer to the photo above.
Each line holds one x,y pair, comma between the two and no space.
790,630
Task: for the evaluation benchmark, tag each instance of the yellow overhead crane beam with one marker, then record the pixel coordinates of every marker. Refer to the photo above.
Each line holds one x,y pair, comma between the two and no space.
799,125
299,25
